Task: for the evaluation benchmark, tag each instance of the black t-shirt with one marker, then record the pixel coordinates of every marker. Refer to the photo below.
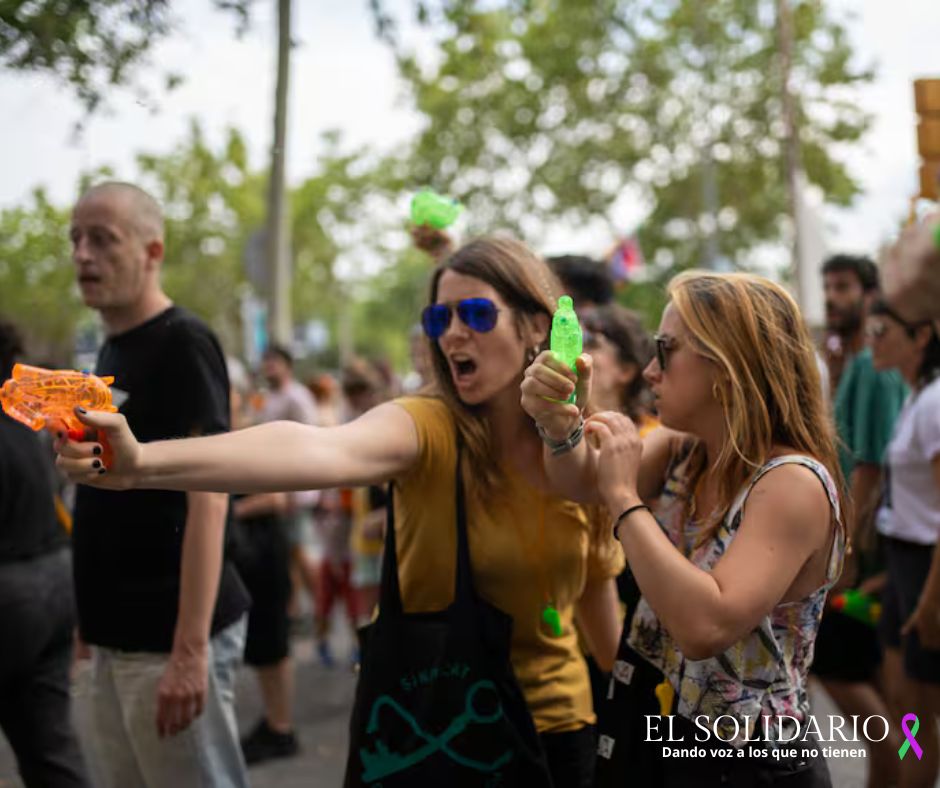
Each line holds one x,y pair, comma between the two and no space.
170,381
28,524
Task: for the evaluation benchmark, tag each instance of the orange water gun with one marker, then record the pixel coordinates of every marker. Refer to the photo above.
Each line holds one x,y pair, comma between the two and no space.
47,398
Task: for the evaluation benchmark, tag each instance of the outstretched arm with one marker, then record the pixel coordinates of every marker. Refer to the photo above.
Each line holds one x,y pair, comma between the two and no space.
280,456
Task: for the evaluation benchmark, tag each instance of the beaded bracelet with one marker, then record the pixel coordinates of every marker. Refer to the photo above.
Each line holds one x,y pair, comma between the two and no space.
562,447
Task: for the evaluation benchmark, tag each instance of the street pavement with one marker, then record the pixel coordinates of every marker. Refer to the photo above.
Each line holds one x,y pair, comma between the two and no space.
323,699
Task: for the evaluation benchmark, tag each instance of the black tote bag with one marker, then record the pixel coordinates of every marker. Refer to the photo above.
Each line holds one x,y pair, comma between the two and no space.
623,756
437,703
626,755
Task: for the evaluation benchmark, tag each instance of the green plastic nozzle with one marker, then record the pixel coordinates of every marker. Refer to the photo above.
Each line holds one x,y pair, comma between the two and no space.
566,341
858,605
552,619
428,208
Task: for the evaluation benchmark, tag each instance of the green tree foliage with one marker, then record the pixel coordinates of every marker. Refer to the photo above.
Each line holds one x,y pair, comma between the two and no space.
37,290
214,203
90,45
388,308
540,110
336,211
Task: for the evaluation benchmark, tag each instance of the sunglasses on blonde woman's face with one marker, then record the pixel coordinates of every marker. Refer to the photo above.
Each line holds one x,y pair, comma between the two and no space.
479,314
664,347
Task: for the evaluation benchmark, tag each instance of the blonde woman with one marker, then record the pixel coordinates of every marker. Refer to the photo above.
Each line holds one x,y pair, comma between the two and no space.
747,536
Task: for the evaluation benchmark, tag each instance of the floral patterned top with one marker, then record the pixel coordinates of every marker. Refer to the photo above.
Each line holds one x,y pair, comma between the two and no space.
765,673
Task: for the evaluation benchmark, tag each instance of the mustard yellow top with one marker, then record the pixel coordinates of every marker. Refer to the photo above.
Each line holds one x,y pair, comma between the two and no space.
360,543
504,549
647,424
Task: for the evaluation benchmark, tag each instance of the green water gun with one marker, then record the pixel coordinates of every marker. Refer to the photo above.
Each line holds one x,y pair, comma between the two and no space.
566,341
430,209
858,605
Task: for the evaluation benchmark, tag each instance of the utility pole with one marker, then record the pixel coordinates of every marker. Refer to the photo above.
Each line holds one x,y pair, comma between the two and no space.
280,323
791,140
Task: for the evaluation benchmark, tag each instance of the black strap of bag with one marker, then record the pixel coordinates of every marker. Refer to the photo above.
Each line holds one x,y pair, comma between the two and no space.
390,592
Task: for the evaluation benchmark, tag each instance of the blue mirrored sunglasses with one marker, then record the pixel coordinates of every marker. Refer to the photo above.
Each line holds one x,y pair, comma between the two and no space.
480,314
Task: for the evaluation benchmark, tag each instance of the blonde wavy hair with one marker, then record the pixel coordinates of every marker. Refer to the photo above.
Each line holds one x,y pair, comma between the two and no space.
768,384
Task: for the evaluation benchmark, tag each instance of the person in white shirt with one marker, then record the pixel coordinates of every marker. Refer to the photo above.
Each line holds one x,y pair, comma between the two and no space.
910,524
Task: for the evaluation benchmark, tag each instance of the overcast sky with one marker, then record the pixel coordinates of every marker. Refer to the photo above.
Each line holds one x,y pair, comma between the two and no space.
343,78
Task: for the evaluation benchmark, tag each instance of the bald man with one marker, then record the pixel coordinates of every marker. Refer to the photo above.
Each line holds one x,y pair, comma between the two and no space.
163,610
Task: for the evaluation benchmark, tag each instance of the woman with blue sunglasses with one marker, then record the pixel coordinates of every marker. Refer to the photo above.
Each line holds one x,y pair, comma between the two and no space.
534,555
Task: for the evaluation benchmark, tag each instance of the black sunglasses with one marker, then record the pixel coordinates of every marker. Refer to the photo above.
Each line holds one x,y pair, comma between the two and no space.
876,328
480,314
664,346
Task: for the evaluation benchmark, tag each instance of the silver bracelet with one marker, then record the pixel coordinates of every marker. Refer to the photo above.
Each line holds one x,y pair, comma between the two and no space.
562,447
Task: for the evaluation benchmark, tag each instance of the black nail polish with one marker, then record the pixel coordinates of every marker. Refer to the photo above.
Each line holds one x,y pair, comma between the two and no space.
96,464
96,451
101,470
81,410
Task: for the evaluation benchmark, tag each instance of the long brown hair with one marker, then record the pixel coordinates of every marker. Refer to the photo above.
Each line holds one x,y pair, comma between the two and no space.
529,288
768,385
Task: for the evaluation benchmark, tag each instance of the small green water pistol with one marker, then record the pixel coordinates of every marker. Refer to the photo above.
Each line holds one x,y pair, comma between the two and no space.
566,341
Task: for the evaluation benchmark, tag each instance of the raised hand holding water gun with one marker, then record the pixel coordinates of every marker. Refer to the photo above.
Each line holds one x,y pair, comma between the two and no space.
429,209
558,382
431,215
48,398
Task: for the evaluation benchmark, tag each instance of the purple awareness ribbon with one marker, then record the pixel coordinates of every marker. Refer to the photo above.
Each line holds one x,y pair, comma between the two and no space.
909,734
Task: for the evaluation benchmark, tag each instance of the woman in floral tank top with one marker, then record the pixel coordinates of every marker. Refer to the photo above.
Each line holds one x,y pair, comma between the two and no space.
733,570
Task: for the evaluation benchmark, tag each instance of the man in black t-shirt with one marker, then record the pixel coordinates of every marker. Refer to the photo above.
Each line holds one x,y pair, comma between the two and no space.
155,596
